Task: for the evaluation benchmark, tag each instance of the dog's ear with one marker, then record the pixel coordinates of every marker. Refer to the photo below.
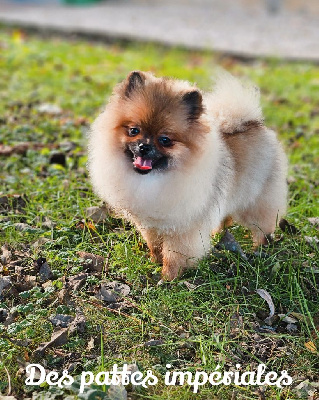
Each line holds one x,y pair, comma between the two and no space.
135,80
194,103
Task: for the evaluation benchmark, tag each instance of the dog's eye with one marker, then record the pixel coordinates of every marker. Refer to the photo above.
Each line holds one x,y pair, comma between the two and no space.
164,141
133,131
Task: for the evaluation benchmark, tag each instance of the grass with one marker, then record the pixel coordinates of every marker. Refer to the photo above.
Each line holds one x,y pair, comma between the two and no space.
216,317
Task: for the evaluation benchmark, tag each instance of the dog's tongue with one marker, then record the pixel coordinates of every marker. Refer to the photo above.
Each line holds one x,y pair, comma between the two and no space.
142,163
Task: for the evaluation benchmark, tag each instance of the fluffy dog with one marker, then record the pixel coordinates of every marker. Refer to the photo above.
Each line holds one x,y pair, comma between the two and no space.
180,164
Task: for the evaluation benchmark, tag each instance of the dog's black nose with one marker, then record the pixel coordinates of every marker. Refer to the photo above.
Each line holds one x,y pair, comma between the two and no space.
144,148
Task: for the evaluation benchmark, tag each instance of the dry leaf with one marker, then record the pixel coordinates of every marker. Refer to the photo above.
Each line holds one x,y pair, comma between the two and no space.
80,225
287,319
12,202
25,282
18,342
311,346
97,214
40,242
292,328
314,221
6,255
48,108
5,281
112,291
307,390
312,241
153,342
266,296
288,228
190,286
45,273
117,392
90,345
78,324
236,323
91,226
11,318
20,148
61,320
77,281
94,262
228,242
22,227
58,338
5,150
300,317
3,315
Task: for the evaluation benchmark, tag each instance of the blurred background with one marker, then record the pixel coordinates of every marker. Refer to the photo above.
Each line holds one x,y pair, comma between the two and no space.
249,28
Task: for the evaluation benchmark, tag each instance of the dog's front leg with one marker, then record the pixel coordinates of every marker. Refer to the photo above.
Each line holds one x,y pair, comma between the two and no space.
154,242
184,250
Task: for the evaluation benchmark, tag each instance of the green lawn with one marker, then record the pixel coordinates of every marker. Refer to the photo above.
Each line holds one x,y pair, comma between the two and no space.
212,315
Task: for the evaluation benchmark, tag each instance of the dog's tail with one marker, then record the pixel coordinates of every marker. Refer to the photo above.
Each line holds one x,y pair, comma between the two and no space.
234,105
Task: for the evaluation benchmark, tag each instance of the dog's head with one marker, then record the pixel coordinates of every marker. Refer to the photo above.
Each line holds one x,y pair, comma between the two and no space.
158,123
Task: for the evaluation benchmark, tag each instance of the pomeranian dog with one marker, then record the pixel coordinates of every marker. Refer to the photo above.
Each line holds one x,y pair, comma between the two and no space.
181,164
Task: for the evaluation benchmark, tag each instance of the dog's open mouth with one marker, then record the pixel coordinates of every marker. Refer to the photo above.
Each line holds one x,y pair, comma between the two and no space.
143,164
